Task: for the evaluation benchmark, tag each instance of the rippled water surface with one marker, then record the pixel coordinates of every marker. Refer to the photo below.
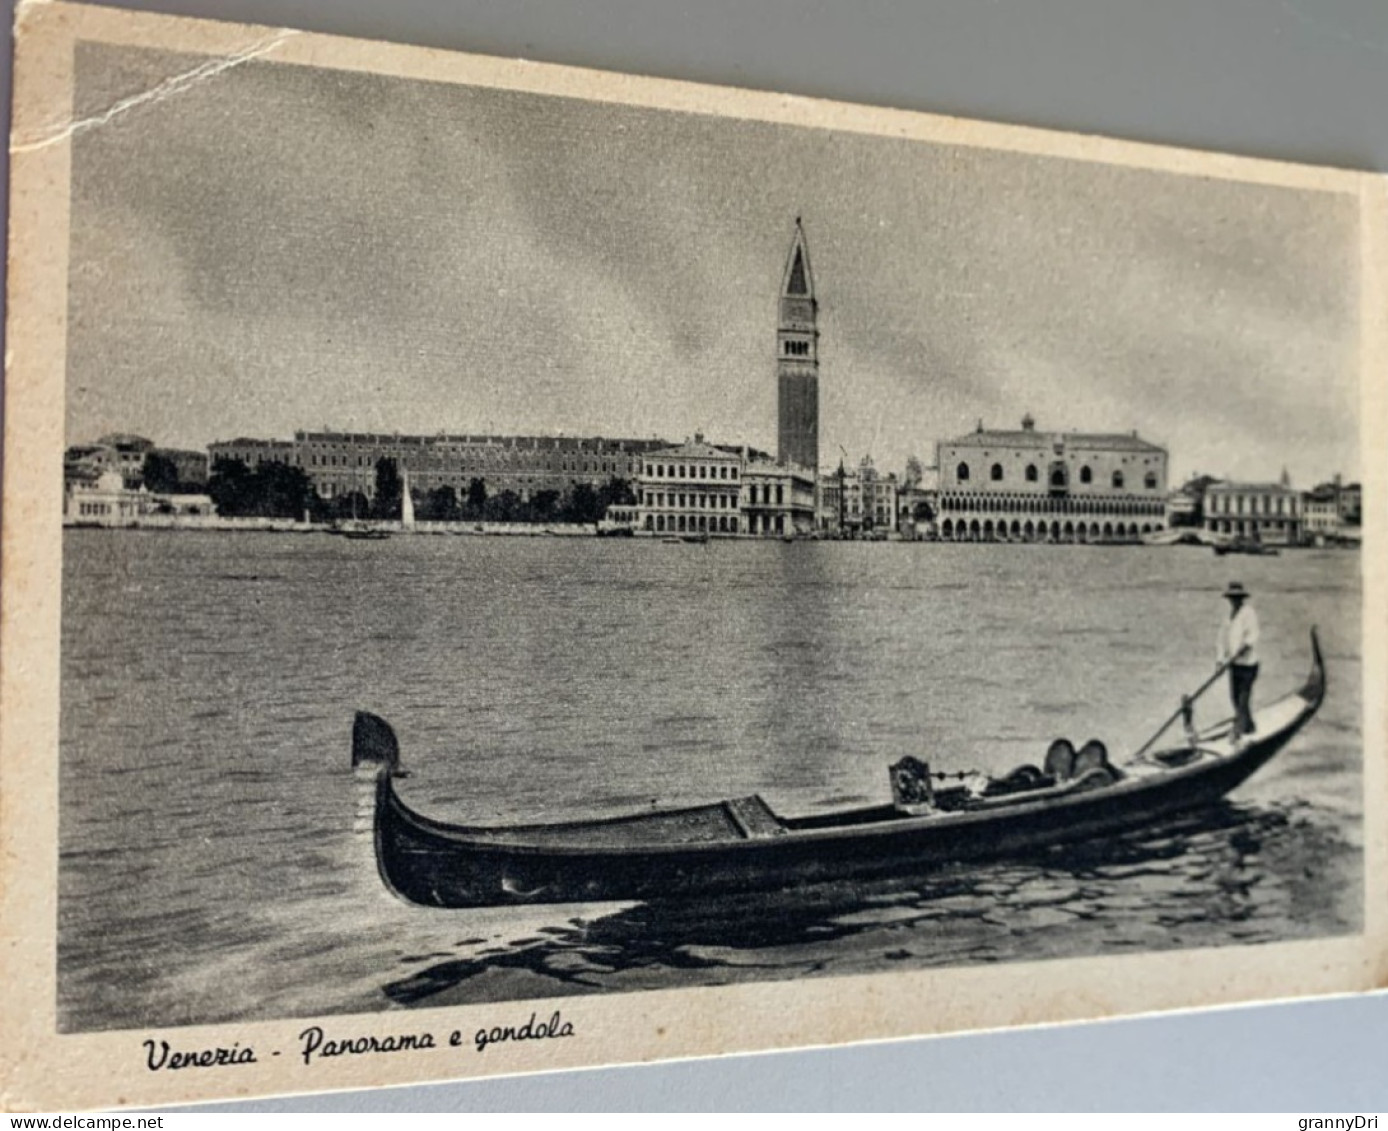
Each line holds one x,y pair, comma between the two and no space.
214,864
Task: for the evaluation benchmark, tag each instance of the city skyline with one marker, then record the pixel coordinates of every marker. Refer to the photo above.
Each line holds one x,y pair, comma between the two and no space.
410,257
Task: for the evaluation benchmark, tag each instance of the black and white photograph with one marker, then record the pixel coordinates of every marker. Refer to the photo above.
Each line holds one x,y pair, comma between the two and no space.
516,547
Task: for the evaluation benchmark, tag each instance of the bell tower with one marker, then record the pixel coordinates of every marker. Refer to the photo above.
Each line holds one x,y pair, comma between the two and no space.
797,361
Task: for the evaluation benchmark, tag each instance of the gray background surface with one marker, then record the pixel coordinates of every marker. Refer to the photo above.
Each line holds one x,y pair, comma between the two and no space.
1303,80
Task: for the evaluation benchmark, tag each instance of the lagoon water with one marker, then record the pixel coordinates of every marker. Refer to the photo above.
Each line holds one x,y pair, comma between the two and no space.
215,864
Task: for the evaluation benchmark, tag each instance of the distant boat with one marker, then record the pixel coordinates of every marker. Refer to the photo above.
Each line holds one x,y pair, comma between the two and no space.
360,531
696,539
1175,536
1245,547
357,529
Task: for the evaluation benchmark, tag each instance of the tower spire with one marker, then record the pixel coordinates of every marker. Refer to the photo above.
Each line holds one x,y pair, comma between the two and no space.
797,359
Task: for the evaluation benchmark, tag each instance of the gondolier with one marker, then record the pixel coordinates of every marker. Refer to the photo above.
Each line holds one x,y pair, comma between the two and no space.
1238,648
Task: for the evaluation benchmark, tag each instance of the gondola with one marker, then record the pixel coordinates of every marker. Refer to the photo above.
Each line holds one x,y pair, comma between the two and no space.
743,845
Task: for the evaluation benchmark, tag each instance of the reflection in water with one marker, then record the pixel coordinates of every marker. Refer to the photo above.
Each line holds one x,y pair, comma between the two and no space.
1228,870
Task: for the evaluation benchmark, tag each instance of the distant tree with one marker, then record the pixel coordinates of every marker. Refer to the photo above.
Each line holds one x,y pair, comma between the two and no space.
319,508
388,489
160,474
615,493
230,487
440,505
544,505
476,498
351,505
281,491
505,507
581,505
271,490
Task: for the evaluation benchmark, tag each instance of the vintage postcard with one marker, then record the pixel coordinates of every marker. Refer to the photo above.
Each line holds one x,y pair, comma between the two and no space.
510,568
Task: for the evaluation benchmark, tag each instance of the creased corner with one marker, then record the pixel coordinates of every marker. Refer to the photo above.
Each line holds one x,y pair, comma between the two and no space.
173,85
24,11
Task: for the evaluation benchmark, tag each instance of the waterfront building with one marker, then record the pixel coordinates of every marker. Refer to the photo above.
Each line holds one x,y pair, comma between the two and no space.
797,361
1258,512
1034,486
1182,508
1349,501
251,452
1351,504
190,467
692,488
620,518
108,501
126,454
1320,513
1185,506
340,463
1333,511
858,503
777,500
915,510
120,452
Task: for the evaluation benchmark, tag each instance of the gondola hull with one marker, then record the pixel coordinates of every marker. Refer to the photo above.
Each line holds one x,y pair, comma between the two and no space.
739,846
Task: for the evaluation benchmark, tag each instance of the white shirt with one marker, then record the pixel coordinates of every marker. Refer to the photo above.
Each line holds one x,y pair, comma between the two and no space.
1238,636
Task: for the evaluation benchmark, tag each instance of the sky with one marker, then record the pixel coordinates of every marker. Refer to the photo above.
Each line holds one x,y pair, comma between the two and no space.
285,247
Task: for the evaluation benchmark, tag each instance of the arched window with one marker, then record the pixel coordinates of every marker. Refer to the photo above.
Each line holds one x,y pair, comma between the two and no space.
1031,473
1117,480
1151,481
996,473
961,473
1086,476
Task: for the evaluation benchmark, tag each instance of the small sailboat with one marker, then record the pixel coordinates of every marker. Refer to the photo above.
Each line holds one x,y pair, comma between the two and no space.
406,501
357,529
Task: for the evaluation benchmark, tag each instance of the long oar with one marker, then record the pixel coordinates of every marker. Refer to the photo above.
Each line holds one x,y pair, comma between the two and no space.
1186,702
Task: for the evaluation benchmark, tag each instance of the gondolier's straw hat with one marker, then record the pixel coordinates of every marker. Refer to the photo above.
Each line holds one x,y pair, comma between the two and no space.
1236,589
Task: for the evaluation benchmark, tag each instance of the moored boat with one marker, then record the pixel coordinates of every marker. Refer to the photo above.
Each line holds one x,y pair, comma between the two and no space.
743,845
1256,548
361,532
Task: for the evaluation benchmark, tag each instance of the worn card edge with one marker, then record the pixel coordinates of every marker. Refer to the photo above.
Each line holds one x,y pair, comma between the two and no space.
43,1069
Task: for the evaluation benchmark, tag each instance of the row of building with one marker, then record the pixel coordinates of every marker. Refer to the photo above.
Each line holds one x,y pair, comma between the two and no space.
988,485
1015,485
127,455
341,463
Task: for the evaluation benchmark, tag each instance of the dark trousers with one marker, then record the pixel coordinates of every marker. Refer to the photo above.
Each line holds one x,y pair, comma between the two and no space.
1241,679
